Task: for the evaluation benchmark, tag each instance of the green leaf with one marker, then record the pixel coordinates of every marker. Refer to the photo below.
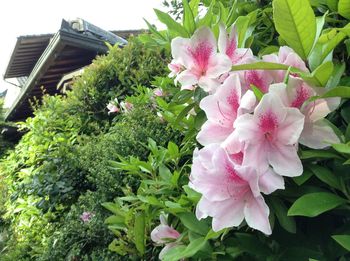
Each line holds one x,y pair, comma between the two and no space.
338,72
184,113
113,207
321,75
300,180
326,176
208,18
139,232
194,7
258,93
173,150
214,235
344,8
192,195
314,204
262,66
340,91
288,223
244,27
192,223
343,240
188,18
154,30
114,220
296,23
171,23
193,247
342,148
333,5
165,173
321,154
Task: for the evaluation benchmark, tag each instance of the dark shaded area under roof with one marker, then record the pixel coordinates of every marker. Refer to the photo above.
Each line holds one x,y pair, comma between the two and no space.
47,58
27,51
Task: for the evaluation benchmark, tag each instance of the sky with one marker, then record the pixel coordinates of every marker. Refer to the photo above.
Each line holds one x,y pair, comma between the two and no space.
24,17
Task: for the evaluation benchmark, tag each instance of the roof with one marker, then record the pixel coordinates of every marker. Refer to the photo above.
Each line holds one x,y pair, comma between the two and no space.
67,50
27,51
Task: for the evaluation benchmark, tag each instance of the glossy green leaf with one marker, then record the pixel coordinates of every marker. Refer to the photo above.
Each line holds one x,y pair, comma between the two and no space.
194,7
340,91
258,93
343,240
188,18
288,223
193,247
208,17
344,8
261,66
171,23
295,21
113,207
300,180
326,176
342,148
338,71
190,221
139,232
321,75
332,4
164,173
314,204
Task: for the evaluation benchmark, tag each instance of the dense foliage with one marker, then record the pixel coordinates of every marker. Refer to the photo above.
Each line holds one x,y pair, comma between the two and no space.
85,183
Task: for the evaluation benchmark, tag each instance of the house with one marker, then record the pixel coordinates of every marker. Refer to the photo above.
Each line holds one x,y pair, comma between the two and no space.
46,61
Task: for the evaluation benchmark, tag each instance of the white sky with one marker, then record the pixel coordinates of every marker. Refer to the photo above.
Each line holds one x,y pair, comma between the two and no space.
26,17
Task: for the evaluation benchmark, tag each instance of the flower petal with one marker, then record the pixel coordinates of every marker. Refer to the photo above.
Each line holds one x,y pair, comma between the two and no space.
318,135
284,160
212,133
270,181
256,214
290,129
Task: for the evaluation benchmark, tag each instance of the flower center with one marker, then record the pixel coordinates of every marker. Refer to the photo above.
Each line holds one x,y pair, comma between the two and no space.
301,96
201,55
252,77
268,124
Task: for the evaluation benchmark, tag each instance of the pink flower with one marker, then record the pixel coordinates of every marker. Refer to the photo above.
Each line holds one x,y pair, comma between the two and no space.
270,136
164,234
259,78
175,68
112,106
317,134
230,192
86,216
285,56
158,92
127,106
222,109
228,44
198,55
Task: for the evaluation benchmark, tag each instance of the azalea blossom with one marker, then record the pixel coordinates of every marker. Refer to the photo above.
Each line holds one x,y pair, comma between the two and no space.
158,92
316,134
86,216
200,59
127,106
270,136
259,78
231,192
164,234
286,56
228,44
222,109
112,106
175,68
